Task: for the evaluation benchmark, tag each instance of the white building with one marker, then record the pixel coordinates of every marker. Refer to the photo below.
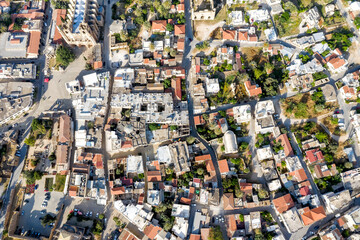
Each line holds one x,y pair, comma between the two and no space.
264,153
124,78
181,211
258,16
237,18
164,155
155,197
264,108
270,34
212,86
230,142
242,113
180,227
134,164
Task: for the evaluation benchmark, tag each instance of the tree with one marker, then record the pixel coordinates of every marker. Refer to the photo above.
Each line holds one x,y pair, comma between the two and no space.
147,25
47,219
172,52
252,64
200,171
101,216
154,126
258,73
357,22
321,136
169,27
30,141
167,83
64,56
348,165
38,175
215,233
263,194
190,140
127,113
269,68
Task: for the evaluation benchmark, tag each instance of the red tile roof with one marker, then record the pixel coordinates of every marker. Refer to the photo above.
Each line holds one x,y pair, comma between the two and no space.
73,191
210,166
299,174
202,158
58,15
97,65
176,85
181,44
243,36
154,176
223,166
284,140
198,120
179,29
194,237
34,42
314,155
151,231
304,191
229,34
253,90
228,199
284,203
312,215
117,190
185,200
159,25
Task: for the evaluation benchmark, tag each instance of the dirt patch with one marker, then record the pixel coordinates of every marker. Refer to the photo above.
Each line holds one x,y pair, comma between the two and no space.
216,34
302,106
251,53
333,126
203,29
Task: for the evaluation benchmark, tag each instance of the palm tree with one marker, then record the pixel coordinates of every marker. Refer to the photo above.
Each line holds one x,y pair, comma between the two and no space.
252,64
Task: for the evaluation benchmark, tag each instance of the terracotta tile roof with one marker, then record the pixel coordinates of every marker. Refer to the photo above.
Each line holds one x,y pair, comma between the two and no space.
253,90
64,128
151,231
61,154
337,62
284,140
312,215
185,200
253,38
176,85
127,235
304,191
223,166
232,223
198,120
97,65
202,158
98,162
204,232
210,166
246,187
159,25
179,29
85,156
117,190
34,42
181,7
194,237
181,44
284,203
299,174
58,15
191,192
228,199
73,191
154,176
243,36
341,221
229,34
314,155
126,144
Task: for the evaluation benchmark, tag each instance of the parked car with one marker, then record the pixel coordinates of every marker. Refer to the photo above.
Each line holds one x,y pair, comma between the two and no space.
22,213
43,211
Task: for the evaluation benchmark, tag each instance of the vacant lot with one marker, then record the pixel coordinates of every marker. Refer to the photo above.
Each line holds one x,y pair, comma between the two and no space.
289,27
59,183
332,124
302,106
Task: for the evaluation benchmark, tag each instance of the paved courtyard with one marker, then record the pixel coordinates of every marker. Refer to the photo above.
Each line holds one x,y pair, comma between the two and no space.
30,221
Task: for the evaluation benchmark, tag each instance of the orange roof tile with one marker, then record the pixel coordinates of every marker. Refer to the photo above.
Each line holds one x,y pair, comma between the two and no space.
228,199
210,166
179,29
198,120
154,176
312,215
229,34
253,90
243,36
299,174
204,232
202,158
194,237
151,231
223,166
181,44
58,15
284,203
185,200
117,190
159,25
97,65
73,191
284,141
34,42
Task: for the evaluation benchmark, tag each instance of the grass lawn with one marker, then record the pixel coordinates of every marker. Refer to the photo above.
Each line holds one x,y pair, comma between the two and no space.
251,53
290,27
49,184
59,183
302,106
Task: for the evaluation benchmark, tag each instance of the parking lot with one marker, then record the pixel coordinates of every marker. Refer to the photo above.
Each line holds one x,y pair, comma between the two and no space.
33,209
